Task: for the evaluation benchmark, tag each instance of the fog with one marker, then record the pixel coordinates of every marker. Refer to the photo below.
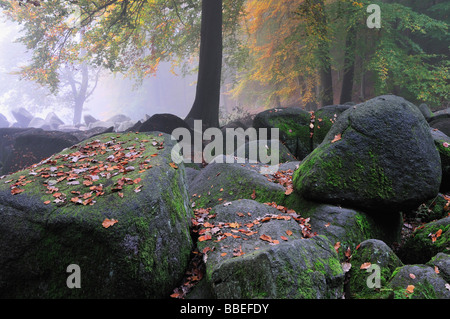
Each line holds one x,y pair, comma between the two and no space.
164,92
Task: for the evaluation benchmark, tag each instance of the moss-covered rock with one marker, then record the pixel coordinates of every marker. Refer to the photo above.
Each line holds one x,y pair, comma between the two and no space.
56,219
294,128
20,148
296,269
426,241
270,152
324,119
441,264
378,156
218,183
377,253
442,143
256,251
418,282
433,209
350,227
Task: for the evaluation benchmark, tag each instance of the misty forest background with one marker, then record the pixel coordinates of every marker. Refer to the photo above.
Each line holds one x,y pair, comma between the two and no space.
141,57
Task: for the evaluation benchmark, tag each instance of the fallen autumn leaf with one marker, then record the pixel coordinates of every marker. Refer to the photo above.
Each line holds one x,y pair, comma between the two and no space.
109,222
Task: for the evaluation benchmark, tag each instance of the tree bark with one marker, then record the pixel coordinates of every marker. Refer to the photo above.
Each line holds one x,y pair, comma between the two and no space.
207,98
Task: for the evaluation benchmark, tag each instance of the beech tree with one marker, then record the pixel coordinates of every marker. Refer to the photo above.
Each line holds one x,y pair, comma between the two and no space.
207,98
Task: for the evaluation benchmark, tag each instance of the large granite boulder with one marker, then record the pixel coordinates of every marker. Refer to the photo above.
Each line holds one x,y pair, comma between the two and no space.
114,205
378,156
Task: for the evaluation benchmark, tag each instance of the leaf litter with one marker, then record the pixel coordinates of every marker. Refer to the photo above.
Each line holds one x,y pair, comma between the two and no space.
88,167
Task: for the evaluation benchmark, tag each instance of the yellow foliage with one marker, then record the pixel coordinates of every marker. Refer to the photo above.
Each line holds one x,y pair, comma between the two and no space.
282,66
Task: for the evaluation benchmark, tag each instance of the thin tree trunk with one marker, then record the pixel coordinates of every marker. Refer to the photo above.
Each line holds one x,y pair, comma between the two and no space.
79,94
324,55
327,86
207,98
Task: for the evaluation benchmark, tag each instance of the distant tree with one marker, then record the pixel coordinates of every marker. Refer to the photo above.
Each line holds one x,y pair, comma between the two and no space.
82,81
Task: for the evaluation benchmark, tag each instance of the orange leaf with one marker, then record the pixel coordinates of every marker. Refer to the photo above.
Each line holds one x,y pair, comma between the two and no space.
412,276
204,237
87,183
16,191
176,295
365,266
436,269
439,233
223,254
253,196
137,180
109,222
234,225
266,238
337,246
348,252
208,225
284,237
288,232
173,165
410,289
289,191
47,202
336,138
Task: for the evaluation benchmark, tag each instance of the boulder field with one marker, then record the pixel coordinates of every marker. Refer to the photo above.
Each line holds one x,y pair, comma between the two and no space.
358,208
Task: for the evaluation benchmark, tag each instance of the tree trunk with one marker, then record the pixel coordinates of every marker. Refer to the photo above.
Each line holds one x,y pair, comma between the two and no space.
207,98
327,86
326,80
79,94
349,67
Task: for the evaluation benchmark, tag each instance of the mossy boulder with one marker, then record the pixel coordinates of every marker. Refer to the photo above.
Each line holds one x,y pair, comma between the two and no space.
53,215
257,251
378,156
294,128
324,119
218,183
442,143
423,283
441,264
270,152
350,227
375,252
433,209
297,269
426,241
20,148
